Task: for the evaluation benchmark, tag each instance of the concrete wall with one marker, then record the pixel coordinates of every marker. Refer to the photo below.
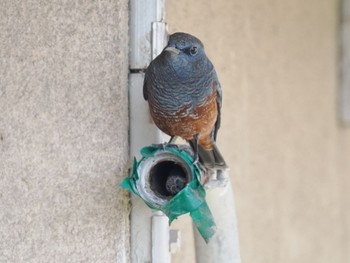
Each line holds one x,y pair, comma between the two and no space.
63,131
289,157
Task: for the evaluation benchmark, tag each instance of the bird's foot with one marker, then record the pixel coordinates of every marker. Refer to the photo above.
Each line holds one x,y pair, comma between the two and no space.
196,160
170,142
164,145
172,139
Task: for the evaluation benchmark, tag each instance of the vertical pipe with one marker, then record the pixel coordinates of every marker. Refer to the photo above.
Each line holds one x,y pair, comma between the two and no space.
147,38
141,215
223,246
160,238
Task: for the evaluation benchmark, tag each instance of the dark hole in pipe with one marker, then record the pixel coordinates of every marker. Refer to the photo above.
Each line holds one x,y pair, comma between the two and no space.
167,178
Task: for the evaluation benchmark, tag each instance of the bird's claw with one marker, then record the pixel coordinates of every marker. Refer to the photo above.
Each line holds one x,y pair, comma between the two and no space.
196,161
164,145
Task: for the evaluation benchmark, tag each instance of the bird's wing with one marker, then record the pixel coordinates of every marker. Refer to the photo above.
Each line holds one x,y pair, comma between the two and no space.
216,83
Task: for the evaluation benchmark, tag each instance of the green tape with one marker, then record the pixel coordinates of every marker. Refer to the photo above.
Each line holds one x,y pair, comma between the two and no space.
191,199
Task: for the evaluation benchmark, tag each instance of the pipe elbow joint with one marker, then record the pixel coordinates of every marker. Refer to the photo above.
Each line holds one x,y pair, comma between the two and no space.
166,179
163,173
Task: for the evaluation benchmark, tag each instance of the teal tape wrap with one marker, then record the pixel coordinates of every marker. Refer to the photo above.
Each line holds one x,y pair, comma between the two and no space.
191,199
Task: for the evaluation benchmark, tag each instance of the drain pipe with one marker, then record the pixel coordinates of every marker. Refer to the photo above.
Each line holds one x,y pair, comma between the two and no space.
149,230
223,246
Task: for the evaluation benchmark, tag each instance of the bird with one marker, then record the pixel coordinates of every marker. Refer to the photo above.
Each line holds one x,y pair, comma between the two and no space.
185,97
175,181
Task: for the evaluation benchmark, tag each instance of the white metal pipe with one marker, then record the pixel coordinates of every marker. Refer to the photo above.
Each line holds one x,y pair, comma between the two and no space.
142,132
223,246
149,231
160,238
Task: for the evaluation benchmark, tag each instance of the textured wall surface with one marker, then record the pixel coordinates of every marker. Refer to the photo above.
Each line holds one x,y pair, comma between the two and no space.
289,156
63,131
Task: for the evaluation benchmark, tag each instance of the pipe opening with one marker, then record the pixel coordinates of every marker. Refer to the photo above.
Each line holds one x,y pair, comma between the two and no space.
167,178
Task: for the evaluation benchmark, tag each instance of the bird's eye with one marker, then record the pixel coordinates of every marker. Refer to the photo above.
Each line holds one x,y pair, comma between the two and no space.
193,51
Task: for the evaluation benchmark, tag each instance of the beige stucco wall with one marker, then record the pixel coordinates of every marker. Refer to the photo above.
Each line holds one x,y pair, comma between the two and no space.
289,157
63,131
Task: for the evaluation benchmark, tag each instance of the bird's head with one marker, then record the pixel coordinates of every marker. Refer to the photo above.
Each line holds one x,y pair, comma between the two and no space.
185,45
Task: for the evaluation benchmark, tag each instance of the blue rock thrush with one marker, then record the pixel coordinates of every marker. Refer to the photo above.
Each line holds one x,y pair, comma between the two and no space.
184,96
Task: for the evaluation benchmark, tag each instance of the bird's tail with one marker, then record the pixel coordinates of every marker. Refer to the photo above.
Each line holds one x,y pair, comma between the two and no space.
211,158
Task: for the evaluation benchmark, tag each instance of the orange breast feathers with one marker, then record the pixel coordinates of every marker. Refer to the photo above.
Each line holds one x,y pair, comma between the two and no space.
190,120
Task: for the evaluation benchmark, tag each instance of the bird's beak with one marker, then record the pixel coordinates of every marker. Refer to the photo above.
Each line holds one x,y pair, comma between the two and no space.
173,50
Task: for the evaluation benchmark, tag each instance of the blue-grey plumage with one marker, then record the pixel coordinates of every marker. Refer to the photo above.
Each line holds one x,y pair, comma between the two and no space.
176,73
184,94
